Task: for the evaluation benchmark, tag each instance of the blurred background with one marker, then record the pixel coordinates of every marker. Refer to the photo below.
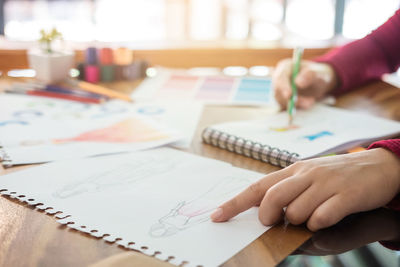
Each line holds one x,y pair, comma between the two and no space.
265,23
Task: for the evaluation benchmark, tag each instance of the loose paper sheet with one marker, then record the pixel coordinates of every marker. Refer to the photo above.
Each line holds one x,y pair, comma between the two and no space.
155,200
182,116
314,132
34,129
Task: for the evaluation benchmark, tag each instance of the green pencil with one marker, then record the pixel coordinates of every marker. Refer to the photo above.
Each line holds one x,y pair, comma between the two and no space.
297,54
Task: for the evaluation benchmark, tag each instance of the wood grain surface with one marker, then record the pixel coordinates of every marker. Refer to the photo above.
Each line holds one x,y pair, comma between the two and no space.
29,237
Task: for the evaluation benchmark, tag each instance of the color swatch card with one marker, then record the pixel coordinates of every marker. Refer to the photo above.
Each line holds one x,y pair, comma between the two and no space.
34,130
179,85
156,201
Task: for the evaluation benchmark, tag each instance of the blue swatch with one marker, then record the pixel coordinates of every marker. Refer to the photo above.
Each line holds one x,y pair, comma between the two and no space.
254,90
318,135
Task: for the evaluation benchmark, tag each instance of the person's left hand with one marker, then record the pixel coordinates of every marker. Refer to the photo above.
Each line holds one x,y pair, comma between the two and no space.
320,191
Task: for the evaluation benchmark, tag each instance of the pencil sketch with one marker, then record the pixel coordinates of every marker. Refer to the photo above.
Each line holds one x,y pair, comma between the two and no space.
121,175
109,110
198,210
5,123
27,114
151,110
318,135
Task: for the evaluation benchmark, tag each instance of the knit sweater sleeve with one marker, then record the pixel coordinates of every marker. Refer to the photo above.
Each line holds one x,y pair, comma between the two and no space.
366,59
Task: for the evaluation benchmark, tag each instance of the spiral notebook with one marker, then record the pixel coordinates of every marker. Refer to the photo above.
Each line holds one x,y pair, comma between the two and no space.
320,131
157,201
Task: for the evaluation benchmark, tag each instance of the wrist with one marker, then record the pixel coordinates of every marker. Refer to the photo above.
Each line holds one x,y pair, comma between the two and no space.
331,77
390,164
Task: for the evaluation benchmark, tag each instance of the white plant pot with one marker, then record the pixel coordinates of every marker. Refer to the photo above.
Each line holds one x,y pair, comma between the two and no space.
52,67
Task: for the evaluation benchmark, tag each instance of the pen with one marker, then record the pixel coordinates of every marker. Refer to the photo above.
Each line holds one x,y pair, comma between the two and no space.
297,54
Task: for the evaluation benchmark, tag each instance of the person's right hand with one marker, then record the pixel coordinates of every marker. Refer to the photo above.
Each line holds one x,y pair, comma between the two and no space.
313,82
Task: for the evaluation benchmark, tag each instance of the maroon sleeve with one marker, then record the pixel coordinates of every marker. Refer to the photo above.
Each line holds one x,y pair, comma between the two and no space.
367,59
394,146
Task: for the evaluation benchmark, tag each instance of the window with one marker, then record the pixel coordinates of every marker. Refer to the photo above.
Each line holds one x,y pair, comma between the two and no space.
196,20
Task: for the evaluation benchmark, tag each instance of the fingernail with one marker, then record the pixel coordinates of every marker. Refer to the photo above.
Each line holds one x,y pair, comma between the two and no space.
216,215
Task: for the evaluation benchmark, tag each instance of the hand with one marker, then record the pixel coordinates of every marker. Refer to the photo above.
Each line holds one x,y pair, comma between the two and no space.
321,191
313,82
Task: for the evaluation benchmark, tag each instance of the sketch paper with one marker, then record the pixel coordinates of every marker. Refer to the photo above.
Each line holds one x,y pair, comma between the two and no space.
154,200
320,130
40,129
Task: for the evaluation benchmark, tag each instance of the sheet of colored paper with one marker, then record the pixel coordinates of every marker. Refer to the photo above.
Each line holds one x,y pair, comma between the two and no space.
154,200
218,89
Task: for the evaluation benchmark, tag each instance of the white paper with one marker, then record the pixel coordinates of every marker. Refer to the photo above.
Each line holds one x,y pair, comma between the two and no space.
155,200
317,131
392,78
182,116
36,129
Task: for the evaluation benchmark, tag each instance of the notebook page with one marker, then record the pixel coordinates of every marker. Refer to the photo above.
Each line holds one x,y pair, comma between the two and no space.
317,131
156,200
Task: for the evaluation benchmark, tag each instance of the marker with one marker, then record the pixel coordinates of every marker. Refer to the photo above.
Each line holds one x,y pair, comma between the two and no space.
56,89
297,54
97,89
45,93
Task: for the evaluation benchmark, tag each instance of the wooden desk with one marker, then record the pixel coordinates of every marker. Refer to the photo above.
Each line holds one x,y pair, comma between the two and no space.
28,237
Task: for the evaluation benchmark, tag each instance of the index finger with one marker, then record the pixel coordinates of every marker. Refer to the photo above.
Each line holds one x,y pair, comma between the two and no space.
250,197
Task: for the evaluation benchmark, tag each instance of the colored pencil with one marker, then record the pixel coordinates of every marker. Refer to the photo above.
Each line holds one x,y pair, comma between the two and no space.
94,88
297,54
44,93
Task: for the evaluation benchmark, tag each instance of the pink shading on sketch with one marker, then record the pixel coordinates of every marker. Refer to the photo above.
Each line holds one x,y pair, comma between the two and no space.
178,86
196,209
216,88
128,131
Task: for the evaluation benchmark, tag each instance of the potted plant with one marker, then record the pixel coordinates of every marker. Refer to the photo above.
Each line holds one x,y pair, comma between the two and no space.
50,65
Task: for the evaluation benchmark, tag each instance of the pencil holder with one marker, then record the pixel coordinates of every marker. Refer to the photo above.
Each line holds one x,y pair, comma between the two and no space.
81,69
106,56
119,72
91,56
92,73
107,73
123,56
132,71
144,65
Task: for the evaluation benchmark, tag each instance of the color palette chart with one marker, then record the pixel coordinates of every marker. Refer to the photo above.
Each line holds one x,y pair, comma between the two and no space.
168,85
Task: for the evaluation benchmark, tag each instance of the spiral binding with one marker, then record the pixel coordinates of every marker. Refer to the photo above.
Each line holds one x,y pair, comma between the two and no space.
248,148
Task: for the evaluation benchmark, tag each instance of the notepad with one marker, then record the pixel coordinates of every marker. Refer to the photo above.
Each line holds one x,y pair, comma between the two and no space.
319,131
157,201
